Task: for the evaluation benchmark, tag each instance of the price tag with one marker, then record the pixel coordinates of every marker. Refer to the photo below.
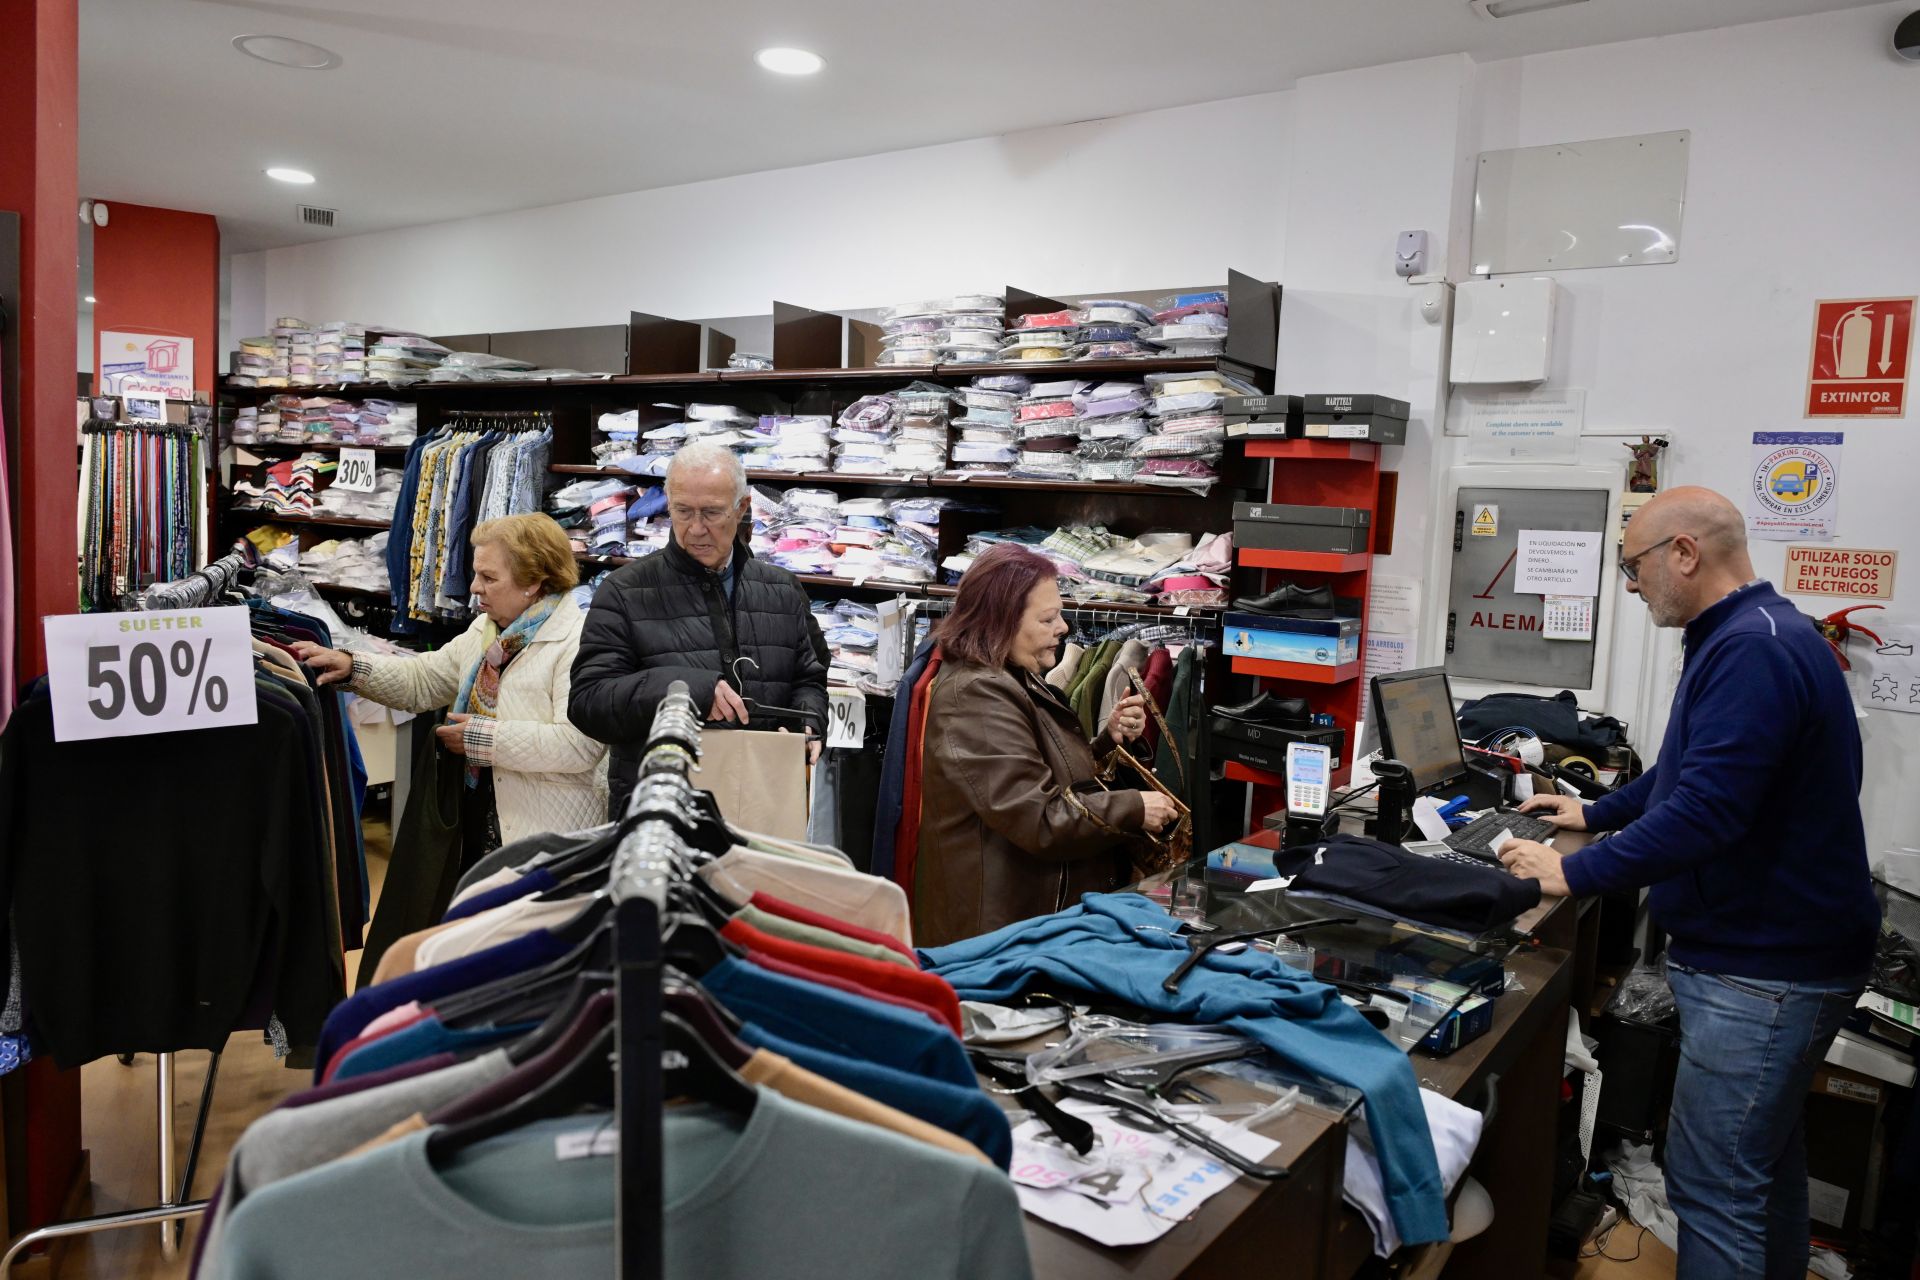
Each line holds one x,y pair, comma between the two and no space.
846,718
116,675
355,471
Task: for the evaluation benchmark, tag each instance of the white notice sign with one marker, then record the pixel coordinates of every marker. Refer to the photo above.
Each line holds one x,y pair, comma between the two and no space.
355,472
1393,604
1387,654
846,718
1557,562
115,675
1526,426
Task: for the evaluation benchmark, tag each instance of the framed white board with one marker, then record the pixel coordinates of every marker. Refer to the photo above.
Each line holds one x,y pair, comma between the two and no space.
1608,202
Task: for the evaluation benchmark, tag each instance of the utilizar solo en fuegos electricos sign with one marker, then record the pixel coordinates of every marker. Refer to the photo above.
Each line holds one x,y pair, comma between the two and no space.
116,675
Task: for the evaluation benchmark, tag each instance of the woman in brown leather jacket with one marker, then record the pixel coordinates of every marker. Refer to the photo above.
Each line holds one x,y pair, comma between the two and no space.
1000,837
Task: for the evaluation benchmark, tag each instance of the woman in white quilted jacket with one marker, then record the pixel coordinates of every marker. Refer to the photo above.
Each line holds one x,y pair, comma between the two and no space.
505,679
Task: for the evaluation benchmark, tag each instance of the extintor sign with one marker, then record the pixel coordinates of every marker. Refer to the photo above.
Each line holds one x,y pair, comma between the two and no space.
1861,352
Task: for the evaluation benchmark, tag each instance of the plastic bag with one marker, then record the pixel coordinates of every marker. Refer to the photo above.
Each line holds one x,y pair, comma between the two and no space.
1644,996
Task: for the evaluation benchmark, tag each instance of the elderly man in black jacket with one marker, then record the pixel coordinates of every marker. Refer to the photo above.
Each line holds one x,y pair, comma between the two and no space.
705,611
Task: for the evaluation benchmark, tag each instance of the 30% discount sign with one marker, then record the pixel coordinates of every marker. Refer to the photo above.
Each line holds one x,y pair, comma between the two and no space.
114,675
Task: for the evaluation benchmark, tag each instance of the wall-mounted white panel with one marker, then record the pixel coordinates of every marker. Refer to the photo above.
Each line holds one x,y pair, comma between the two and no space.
1608,202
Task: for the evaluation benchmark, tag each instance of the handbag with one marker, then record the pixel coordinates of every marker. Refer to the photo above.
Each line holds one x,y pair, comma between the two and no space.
1173,846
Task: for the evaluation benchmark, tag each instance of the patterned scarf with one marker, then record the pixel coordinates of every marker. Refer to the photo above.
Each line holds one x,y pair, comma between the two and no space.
480,692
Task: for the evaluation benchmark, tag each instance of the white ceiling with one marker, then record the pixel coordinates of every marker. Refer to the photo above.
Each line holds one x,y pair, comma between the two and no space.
450,108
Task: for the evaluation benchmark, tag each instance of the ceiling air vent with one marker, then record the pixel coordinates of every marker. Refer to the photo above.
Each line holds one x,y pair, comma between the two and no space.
316,217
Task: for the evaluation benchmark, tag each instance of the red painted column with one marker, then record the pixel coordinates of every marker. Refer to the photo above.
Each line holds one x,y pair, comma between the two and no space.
39,179
158,271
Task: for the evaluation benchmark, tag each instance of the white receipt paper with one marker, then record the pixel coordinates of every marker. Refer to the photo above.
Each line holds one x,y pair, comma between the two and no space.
1426,816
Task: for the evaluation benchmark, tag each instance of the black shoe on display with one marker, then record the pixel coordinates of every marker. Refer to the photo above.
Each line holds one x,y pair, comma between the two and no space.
1289,600
1264,708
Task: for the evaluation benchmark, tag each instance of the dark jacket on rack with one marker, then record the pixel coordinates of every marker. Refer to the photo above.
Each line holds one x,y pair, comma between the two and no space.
669,618
1000,839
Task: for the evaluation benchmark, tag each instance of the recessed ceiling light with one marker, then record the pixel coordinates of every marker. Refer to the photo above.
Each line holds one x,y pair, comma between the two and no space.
90,298
789,62
299,177
284,51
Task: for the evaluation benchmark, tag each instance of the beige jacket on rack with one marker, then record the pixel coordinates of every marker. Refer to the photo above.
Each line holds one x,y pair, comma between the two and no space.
547,775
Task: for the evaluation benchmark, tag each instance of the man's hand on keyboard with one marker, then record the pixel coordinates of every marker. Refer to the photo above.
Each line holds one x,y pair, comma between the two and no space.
1532,861
1566,812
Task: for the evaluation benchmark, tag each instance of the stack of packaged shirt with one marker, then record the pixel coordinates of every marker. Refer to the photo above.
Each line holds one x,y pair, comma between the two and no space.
988,436
289,419
861,435
253,424
921,415
723,424
1097,566
1110,329
294,344
750,361
611,517
1189,432
1190,324
1044,338
1113,418
800,444
852,632
377,504
400,358
285,488
478,366
618,444
1049,424
340,352
818,532
964,329
260,362
348,562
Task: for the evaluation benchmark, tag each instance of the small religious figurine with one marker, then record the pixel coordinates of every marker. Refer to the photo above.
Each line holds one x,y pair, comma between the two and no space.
1645,476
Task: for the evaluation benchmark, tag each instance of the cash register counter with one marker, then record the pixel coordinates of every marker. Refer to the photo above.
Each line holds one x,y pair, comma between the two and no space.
1298,1227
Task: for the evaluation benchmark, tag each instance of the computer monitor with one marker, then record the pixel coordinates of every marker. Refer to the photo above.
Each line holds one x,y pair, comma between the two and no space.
1414,710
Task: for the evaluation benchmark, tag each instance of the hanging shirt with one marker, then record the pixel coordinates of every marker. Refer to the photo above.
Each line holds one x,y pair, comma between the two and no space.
507,1206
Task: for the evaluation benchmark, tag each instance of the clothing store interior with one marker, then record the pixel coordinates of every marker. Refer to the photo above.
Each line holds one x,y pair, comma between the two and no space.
1133,640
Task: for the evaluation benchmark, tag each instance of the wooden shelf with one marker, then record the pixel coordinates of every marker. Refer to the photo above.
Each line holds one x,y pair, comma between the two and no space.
869,584
1304,561
594,469
1305,672
338,522
315,446
587,557
1313,450
921,480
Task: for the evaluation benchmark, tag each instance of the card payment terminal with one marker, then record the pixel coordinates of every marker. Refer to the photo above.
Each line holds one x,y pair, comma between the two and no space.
1309,774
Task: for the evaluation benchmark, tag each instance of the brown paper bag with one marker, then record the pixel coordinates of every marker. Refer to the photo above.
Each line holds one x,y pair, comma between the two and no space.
758,779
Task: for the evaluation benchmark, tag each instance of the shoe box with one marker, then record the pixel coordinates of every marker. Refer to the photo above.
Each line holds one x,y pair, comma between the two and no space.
1371,418
1319,642
1263,417
1264,746
1281,526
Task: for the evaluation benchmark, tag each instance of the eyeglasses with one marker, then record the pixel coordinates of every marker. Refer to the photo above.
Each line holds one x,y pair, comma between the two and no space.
703,517
1630,565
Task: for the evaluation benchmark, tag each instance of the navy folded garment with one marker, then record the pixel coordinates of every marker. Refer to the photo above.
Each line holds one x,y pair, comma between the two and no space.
1434,891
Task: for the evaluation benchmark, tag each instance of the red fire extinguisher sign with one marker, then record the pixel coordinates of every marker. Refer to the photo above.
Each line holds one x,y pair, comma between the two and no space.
1862,348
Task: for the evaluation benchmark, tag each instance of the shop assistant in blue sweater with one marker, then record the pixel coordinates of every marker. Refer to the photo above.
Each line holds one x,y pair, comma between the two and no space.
1747,828
1120,946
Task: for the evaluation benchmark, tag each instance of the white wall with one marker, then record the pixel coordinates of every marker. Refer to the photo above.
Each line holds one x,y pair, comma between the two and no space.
1801,185
1123,203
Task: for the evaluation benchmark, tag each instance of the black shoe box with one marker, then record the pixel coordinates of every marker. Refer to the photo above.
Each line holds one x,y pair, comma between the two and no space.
1272,535
1294,513
1360,405
1264,746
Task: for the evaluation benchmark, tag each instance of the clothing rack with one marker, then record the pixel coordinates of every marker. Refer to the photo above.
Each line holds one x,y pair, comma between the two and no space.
201,585
643,867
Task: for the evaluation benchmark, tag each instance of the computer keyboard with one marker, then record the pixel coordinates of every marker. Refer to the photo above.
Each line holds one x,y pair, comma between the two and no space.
1476,838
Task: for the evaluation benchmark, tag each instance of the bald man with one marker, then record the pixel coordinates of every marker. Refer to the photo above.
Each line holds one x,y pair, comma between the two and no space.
1747,830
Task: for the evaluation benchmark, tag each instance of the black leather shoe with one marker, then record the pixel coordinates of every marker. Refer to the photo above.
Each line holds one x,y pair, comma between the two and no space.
1287,600
1264,708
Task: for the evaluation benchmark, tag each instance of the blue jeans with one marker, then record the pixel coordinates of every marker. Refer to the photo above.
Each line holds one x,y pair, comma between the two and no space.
1736,1142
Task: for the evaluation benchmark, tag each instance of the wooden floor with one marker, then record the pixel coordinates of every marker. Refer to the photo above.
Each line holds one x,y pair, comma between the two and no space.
118,1110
